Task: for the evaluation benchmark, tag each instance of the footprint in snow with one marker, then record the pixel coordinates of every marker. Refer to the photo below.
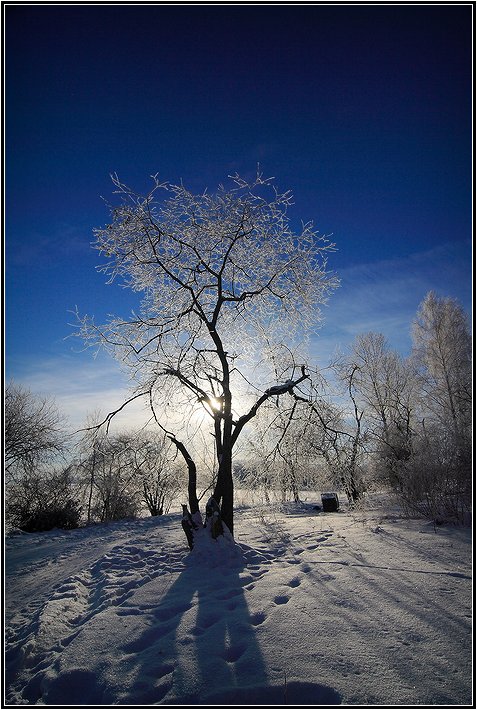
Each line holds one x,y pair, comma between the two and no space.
163,670
209,619
233,653
205,622
281,599
258,618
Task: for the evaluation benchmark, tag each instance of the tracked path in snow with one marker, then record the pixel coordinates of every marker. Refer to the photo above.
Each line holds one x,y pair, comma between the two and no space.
371,609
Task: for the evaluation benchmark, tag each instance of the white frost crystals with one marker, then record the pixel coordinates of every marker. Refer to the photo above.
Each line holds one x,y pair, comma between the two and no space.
227,262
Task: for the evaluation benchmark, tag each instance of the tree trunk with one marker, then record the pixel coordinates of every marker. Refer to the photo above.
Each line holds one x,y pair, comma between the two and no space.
294,485
192,469
352,491
91,485
224,489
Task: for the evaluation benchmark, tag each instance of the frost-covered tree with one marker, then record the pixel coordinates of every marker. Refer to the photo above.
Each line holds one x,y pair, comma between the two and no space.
108,470
126,473
442,356
386,388
33,430
224,278
442,352
417,410
344,437
40,491
157,472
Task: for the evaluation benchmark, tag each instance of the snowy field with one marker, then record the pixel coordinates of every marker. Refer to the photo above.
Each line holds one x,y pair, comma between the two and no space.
312,609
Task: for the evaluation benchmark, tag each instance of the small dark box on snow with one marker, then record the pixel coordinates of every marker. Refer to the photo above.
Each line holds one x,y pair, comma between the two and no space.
330,502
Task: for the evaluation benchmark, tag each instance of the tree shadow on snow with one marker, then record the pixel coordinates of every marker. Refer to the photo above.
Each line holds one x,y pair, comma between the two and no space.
201,647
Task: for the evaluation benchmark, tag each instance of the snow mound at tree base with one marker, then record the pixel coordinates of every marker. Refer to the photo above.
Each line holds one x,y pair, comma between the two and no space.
209,553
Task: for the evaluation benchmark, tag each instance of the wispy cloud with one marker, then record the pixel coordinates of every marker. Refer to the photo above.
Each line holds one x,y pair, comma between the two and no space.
38,246
381,297
384,296
82,388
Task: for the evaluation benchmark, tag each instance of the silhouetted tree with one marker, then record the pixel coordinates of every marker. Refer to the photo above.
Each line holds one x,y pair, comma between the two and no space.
33,430
224,279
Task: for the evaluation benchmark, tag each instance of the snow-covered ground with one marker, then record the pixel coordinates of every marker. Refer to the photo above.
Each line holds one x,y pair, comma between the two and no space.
311,609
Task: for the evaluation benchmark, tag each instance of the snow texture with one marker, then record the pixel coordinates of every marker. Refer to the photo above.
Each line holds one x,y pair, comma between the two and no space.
307,608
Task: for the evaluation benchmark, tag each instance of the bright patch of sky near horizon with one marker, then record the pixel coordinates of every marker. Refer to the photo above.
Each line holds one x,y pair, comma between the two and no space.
365,112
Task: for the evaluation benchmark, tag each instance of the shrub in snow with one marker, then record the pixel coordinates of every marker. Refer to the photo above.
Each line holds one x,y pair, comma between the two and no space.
66,517
41,500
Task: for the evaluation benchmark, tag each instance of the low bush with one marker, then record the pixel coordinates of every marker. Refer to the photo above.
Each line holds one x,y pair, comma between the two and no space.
65,517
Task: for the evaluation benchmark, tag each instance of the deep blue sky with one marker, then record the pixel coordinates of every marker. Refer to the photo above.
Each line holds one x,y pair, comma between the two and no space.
365,112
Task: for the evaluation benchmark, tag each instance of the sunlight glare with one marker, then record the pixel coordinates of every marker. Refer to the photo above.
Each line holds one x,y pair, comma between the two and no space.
215,404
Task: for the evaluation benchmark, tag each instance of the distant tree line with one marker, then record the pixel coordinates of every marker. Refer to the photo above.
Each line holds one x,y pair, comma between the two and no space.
102,478
380,420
